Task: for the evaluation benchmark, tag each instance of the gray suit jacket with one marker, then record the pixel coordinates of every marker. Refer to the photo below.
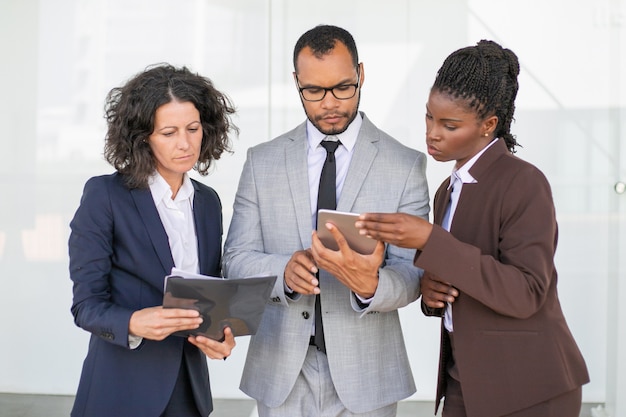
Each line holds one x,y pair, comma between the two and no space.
272,219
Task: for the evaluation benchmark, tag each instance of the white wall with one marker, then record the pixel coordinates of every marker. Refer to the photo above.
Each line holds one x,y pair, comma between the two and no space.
61,57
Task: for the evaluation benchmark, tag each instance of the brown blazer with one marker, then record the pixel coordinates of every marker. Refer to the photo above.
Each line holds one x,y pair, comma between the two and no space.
513,345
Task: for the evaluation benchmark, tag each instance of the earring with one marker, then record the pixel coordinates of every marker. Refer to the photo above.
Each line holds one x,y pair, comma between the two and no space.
486,134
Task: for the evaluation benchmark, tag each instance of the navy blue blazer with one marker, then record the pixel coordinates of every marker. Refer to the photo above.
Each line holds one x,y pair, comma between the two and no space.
119,256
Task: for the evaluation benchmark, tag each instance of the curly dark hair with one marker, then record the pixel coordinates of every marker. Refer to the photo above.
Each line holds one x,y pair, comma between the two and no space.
321,39
485,76
130,111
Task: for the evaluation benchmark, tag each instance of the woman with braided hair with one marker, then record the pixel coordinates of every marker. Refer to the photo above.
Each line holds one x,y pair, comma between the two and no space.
506,349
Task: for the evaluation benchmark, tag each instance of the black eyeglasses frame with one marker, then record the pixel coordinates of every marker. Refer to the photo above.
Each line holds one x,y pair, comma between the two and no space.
331,89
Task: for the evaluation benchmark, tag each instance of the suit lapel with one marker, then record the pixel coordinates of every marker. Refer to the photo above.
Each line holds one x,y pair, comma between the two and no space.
201,226
479,168
152,222
204,228
485,161
442,199
363,157
296,164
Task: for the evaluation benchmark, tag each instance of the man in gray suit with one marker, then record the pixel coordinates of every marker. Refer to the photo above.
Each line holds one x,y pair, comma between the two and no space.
363,369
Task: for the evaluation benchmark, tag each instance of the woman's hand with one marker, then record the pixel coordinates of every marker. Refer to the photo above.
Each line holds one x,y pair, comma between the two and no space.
436,293
399,229
212,348
157,323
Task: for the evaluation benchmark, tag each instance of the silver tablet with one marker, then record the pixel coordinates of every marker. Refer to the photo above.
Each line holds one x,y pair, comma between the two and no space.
345,223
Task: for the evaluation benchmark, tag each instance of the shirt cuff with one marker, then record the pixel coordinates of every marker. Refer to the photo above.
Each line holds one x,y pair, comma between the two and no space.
362,302
134,341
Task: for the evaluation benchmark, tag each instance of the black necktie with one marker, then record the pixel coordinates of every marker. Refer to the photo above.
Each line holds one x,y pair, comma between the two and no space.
326,199
327,196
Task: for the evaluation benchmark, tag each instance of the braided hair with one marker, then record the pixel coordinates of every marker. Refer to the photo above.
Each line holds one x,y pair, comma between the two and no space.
485,76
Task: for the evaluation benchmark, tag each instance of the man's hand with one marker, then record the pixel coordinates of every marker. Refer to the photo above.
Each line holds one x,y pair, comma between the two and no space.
300,273
357,272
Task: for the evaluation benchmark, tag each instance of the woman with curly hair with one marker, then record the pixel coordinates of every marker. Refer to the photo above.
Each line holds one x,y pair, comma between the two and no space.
131,228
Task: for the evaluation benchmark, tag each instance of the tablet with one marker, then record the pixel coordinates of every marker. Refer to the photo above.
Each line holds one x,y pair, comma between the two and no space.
345,223
237,303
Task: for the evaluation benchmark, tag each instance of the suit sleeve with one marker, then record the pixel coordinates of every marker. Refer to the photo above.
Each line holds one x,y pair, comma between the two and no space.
244,251
515,281
398,283
90,253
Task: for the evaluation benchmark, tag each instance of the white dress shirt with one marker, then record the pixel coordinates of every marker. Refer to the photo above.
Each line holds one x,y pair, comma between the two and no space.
177,219
316,155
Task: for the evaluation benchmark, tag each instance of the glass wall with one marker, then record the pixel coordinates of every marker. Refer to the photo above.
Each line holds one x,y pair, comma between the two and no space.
61,57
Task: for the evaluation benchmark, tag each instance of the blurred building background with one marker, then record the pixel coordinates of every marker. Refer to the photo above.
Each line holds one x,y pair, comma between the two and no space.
59,58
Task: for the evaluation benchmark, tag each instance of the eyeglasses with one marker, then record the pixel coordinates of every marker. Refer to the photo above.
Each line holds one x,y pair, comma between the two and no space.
340,92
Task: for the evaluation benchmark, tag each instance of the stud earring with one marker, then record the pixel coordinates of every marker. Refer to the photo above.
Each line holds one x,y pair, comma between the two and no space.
486,134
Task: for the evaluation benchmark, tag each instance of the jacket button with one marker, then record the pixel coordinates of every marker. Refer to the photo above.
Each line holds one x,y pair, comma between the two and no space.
305,314
276,299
